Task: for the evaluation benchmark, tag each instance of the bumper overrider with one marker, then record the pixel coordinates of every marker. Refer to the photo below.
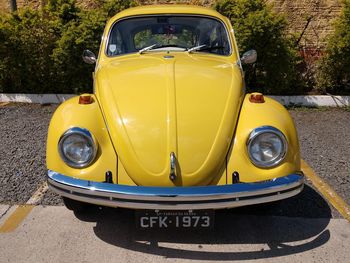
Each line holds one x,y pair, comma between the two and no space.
176,198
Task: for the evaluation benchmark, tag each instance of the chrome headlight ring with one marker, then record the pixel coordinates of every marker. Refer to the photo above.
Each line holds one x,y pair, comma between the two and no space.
267,147
85,147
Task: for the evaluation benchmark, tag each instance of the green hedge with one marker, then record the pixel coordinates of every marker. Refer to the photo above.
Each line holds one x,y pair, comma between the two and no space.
258,27
41,49
333,74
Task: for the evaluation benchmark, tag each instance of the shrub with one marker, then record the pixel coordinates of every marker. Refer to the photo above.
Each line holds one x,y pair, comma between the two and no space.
27,43
258,27
41,49
83,32
78,35
334,74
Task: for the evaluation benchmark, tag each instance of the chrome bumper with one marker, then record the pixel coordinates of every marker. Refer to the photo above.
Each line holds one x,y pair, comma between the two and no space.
176,198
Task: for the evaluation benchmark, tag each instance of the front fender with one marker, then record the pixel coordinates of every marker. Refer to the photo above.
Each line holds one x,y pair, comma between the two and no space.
72,114
253,115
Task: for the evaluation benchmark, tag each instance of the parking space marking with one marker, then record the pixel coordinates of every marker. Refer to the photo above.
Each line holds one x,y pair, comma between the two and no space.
327,192
38,195
22,211
16,218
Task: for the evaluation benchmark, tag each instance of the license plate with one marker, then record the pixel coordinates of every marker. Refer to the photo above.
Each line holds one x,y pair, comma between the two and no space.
148,219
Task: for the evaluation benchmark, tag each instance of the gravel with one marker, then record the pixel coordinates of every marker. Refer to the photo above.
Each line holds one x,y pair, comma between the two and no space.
23,129
324,139
51,198
324,136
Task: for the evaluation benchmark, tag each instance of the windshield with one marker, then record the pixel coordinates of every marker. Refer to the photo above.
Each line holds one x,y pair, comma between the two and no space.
168,32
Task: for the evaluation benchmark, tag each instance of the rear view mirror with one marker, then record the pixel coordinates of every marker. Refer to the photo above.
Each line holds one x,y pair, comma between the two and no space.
89,57
249,57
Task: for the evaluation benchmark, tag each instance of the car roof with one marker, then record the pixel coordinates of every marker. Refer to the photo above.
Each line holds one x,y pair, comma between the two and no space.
167,9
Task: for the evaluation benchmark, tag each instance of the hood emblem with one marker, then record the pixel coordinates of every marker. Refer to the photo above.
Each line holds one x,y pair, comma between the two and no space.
172,175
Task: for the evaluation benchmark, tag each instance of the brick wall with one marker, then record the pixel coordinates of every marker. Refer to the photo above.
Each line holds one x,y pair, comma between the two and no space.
310,19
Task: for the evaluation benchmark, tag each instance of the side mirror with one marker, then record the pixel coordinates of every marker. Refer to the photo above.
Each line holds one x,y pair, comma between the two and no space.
89,57
249,57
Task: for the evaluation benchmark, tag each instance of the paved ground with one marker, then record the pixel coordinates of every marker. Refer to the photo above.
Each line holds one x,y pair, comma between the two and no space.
302,228
324,139
54,234
23,131
324,136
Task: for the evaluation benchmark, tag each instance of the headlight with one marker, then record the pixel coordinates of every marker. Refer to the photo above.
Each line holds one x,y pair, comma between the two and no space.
267,146
77,147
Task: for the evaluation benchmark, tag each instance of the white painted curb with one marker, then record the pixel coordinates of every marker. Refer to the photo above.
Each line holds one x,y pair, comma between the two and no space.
307,101
35,98
313,101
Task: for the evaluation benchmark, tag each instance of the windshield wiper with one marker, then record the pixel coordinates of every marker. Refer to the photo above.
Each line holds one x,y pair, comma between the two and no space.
155,46
196,48
204,47
171,45
147,48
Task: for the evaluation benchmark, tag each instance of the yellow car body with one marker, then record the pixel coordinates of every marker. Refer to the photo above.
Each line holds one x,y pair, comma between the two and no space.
179,113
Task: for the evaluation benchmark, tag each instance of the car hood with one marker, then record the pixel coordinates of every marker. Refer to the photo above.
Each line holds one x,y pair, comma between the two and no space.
159,104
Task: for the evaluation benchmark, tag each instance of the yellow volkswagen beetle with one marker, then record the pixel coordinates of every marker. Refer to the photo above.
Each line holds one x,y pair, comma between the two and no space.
169,126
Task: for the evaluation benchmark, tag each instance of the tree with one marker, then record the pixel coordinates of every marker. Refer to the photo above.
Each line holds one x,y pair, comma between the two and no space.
258,27
333,72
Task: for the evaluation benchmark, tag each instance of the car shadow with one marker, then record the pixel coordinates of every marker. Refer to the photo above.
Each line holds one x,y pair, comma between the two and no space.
302,219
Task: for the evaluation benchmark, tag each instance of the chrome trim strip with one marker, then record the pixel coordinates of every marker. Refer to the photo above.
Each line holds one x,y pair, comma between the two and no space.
172,166
177,198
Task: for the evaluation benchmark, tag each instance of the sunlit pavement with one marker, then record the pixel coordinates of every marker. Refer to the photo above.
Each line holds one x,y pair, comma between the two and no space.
309,227
55,234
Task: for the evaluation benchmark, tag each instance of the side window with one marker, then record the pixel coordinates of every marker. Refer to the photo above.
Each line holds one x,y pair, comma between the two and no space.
218,43
115,45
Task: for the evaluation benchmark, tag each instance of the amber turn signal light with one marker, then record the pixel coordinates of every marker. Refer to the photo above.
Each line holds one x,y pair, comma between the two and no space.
85,99
256,98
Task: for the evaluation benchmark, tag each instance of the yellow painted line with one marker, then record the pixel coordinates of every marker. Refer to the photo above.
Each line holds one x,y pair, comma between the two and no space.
22,211
38,195
3,103
336,201
16,218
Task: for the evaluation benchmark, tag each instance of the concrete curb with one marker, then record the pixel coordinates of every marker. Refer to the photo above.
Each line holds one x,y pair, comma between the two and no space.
307,101
314,101
35,98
